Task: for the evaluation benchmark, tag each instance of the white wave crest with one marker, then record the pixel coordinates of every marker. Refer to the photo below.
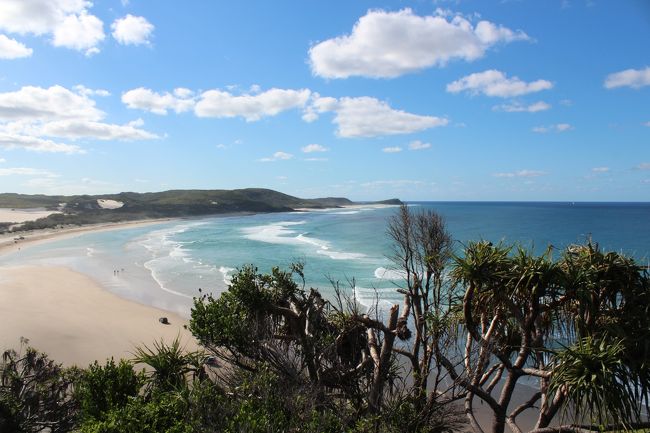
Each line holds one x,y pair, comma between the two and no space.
279,233
226,272
389,274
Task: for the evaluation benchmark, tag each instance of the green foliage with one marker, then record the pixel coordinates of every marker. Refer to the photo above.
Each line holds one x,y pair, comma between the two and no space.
35,393
164,413
101,389
170,365
599,385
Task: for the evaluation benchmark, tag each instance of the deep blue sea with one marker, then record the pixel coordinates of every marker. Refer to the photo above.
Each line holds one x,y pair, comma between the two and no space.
165,264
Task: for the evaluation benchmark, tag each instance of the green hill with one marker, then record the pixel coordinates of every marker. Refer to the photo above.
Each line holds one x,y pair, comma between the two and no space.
86,209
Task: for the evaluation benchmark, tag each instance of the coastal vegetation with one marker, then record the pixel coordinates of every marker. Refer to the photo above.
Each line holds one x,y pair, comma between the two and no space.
130,206
474,324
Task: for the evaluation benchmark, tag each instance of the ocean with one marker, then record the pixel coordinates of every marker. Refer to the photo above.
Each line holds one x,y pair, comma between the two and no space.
165,264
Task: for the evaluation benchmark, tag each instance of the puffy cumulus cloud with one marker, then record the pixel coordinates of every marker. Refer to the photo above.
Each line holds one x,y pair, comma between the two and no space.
559,127
369,117
29,117
53,103
2,160
634,78
80,32
392,149
518,107
388,44
180,100
67,21
26,171
252,107
12,49
132,30
496,83
277,156
36,144
521,173
311,148
418,145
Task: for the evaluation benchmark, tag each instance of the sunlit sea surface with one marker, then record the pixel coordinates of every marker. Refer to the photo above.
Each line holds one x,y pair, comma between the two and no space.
165,264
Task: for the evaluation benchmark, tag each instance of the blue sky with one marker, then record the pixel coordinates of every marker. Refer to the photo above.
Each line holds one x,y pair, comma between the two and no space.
421,100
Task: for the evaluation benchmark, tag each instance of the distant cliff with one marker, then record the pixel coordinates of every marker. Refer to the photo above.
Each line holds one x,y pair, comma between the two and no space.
125,206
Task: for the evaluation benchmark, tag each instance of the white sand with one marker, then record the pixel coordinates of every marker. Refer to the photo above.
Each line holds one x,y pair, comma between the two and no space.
68,316
23,215
109,204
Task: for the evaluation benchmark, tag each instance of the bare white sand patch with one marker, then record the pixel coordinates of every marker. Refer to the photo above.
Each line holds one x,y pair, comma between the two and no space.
23,215
109,204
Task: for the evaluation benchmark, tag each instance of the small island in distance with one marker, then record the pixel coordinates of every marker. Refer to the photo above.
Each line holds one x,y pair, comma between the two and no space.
131,206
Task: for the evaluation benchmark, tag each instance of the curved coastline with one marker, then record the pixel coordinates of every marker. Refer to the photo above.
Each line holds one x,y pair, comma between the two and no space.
68,314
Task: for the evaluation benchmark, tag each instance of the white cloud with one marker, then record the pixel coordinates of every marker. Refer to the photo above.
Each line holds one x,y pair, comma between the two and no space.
310,148
370,117
67,21
316,159
85,91
36,144
278,156
80,32
634,78
559,127
600,169
75,129
643,166
132,30
252,107
53,103
388,44
24,171
146,99
647,124
12,49
495,83
418,145
521,173
37,16
518,107
393,149
29,115
2,160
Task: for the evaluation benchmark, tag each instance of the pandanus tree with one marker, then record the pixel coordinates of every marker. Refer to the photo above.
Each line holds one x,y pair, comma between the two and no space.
579,326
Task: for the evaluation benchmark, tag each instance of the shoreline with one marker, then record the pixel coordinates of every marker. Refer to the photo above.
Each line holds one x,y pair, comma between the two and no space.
8,242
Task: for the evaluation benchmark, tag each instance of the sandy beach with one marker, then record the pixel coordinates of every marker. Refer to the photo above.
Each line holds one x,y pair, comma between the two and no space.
13,241
68,316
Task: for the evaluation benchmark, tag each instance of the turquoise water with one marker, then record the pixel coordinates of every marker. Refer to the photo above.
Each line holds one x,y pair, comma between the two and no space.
165,264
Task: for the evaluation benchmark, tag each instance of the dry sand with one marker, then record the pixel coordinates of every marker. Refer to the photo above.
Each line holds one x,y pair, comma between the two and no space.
68,316
23,215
